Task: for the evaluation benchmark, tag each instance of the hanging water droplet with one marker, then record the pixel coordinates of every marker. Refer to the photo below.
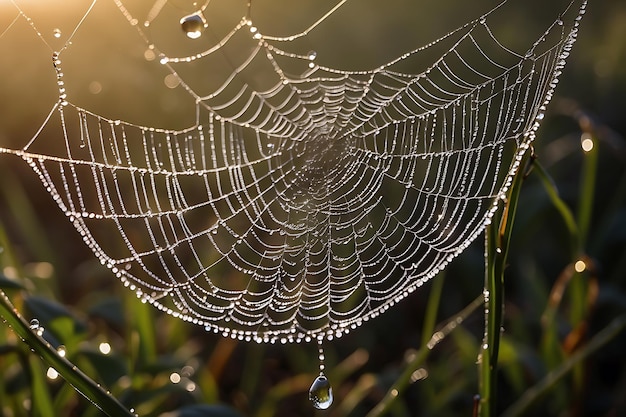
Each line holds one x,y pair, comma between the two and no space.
34,324
321,393
311,55
56,33
193,25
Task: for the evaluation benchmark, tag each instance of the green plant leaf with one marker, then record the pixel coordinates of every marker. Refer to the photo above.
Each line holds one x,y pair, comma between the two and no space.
46,311
109,368
110,309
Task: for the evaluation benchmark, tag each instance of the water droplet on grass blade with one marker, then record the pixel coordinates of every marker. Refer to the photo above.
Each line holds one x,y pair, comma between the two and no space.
62,351
321,393
52,373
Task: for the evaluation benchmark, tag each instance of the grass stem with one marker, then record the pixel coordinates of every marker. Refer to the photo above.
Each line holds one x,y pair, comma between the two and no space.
497,238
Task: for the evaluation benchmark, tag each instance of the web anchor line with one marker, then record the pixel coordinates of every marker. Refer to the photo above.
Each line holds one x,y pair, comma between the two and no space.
306,200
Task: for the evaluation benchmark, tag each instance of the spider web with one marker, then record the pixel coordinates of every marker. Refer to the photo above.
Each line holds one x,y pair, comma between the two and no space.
305,199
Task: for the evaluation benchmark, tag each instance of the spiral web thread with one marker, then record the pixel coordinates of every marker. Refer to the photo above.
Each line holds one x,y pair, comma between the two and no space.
302,207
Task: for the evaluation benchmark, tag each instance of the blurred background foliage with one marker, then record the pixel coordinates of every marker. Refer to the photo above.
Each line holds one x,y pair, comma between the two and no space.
161,366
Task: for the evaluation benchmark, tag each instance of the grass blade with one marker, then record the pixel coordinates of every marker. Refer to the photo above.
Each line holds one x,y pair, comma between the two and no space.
419,358
497,238
599,340
559,204
587,189
81,382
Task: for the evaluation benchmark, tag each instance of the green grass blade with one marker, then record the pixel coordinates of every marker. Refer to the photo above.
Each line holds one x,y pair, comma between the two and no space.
587,191
493,317
142,320
41,400
405,378
432,306
497,238
81,382
559,204
416,361
598,341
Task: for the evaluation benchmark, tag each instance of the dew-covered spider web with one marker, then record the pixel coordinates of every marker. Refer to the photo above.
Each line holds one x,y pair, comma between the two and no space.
304,198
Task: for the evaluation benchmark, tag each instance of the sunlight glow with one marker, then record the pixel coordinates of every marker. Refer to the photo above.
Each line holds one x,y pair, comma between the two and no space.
580,266
105,348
